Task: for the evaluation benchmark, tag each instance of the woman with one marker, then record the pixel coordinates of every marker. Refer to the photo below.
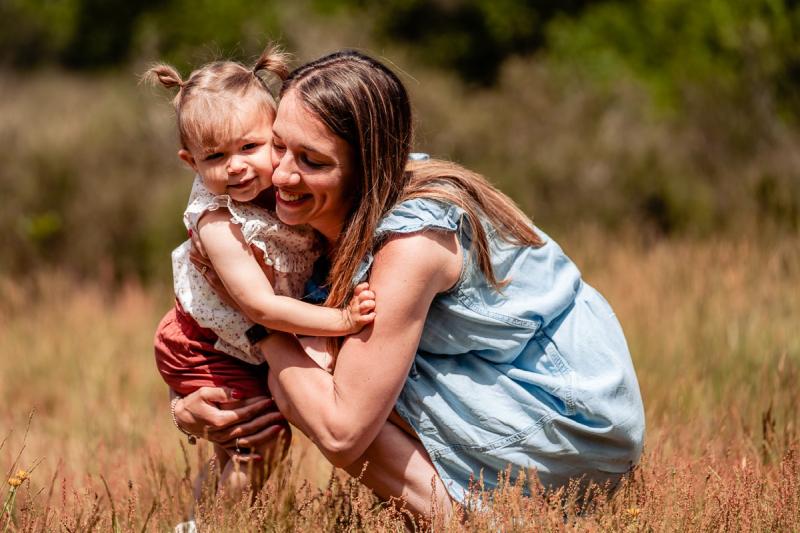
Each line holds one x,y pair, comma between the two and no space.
488,349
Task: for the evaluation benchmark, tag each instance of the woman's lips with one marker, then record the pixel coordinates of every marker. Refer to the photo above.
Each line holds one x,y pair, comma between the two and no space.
287,197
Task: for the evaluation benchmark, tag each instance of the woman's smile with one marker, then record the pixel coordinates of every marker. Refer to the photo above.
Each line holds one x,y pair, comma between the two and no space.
289,198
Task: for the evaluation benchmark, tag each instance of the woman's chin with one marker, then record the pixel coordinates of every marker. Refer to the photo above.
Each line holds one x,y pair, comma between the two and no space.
292,213
289,219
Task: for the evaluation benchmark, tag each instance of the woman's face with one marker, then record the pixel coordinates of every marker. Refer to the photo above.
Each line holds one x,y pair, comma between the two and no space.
313,170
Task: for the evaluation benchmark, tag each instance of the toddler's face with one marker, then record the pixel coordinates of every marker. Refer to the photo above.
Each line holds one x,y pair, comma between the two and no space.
241,166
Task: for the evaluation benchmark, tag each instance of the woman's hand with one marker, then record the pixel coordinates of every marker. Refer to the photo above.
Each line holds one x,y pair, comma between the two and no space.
256,422
199,259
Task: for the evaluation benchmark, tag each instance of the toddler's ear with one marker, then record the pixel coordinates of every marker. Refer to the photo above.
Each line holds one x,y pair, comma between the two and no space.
186,156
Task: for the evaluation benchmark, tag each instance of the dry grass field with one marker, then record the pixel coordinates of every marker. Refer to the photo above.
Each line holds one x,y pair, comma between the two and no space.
712,325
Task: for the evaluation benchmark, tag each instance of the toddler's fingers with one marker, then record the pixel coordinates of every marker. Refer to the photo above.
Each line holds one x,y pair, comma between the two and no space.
366,305
360,287
367,295
366,319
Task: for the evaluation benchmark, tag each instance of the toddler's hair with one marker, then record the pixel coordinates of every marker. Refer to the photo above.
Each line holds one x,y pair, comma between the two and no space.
216,96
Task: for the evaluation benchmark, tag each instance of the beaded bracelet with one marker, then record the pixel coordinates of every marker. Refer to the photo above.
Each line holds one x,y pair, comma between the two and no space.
191,438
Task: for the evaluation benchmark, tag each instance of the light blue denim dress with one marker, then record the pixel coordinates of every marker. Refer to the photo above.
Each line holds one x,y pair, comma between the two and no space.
537,376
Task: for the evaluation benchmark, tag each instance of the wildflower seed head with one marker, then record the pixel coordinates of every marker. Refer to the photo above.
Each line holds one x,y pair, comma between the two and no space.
15,481
633,512
22,474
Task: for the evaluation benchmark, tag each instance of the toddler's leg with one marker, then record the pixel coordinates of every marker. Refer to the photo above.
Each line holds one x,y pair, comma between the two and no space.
237,478
212,469
247,468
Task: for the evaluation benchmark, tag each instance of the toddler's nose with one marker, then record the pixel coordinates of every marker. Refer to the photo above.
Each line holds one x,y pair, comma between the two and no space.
236,165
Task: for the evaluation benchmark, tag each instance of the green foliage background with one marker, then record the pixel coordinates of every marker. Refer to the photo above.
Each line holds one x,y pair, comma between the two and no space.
663,117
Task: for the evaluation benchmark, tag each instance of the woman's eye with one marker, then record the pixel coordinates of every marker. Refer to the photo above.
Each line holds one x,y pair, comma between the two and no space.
278,147
312,163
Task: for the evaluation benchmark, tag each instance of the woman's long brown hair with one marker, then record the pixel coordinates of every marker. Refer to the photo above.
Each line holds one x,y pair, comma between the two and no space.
453,184
364,103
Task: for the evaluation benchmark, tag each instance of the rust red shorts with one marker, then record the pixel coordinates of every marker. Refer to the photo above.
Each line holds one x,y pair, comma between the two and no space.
187,359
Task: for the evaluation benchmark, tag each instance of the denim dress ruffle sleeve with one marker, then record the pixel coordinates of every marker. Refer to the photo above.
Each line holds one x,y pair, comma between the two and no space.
535,377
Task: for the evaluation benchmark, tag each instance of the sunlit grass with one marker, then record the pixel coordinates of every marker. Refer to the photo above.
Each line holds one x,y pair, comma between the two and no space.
713,331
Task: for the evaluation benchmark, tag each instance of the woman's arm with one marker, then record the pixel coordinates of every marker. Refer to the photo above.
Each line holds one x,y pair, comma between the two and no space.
343,412
247,285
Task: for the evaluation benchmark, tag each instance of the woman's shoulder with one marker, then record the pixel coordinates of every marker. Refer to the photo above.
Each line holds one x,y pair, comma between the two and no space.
409,216
418,214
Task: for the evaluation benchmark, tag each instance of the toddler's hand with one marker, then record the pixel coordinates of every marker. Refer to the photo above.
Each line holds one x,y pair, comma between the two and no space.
361,309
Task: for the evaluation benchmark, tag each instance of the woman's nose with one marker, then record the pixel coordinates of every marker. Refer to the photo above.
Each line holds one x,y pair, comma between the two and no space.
285,174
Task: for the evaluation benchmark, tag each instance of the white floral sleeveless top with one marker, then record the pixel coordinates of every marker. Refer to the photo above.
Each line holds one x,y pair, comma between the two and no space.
290,250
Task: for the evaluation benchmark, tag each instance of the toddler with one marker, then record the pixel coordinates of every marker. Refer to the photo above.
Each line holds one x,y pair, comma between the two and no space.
225,113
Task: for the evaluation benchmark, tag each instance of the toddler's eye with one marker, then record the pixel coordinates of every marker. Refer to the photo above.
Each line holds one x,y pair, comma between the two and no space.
278,147
250,146
211,157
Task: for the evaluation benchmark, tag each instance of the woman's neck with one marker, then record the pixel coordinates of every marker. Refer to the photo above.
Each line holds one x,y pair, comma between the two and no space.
330,234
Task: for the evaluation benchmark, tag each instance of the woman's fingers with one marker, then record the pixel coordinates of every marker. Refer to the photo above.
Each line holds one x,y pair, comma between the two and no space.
257,419
227,436
201,410
224,419
216,394
261,259
262,437
204,265
197,252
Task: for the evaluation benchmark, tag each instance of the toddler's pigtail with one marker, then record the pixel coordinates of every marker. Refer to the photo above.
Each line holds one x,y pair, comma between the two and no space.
274,60
165,75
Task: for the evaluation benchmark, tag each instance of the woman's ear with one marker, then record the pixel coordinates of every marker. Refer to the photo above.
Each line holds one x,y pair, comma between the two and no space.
186,156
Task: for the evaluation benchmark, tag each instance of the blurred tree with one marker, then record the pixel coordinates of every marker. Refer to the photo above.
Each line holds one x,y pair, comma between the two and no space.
91,34
189,32
724,71
748,50
33,32
103,32
473,37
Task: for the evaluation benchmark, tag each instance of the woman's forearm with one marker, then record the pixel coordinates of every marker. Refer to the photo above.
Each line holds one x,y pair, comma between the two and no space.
307,396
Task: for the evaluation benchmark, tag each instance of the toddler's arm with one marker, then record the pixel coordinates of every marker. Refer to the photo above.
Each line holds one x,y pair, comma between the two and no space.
246,283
